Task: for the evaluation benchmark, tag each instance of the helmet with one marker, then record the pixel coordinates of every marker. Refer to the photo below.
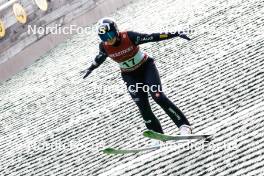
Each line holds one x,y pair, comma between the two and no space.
107,29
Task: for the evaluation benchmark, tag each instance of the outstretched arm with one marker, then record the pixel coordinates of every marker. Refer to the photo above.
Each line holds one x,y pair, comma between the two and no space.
99,59
140,38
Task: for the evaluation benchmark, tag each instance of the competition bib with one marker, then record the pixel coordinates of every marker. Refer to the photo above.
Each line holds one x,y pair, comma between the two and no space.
130,63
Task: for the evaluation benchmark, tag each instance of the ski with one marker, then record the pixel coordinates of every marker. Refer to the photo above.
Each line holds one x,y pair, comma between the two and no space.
163,137
113,151
158,136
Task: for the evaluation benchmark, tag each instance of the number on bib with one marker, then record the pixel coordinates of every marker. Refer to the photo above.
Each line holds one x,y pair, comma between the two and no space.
130,63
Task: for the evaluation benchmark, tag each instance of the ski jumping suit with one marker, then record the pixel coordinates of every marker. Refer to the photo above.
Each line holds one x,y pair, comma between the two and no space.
138,70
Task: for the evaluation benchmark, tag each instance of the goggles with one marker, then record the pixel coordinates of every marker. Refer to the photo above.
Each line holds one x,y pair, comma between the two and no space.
107,36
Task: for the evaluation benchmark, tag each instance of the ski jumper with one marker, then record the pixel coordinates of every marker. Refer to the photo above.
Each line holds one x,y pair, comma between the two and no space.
139,70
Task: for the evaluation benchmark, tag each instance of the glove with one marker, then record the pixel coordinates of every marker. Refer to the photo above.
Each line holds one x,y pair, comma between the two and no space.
87,72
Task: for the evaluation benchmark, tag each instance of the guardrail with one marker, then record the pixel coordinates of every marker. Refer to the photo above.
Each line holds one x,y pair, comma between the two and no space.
7,4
